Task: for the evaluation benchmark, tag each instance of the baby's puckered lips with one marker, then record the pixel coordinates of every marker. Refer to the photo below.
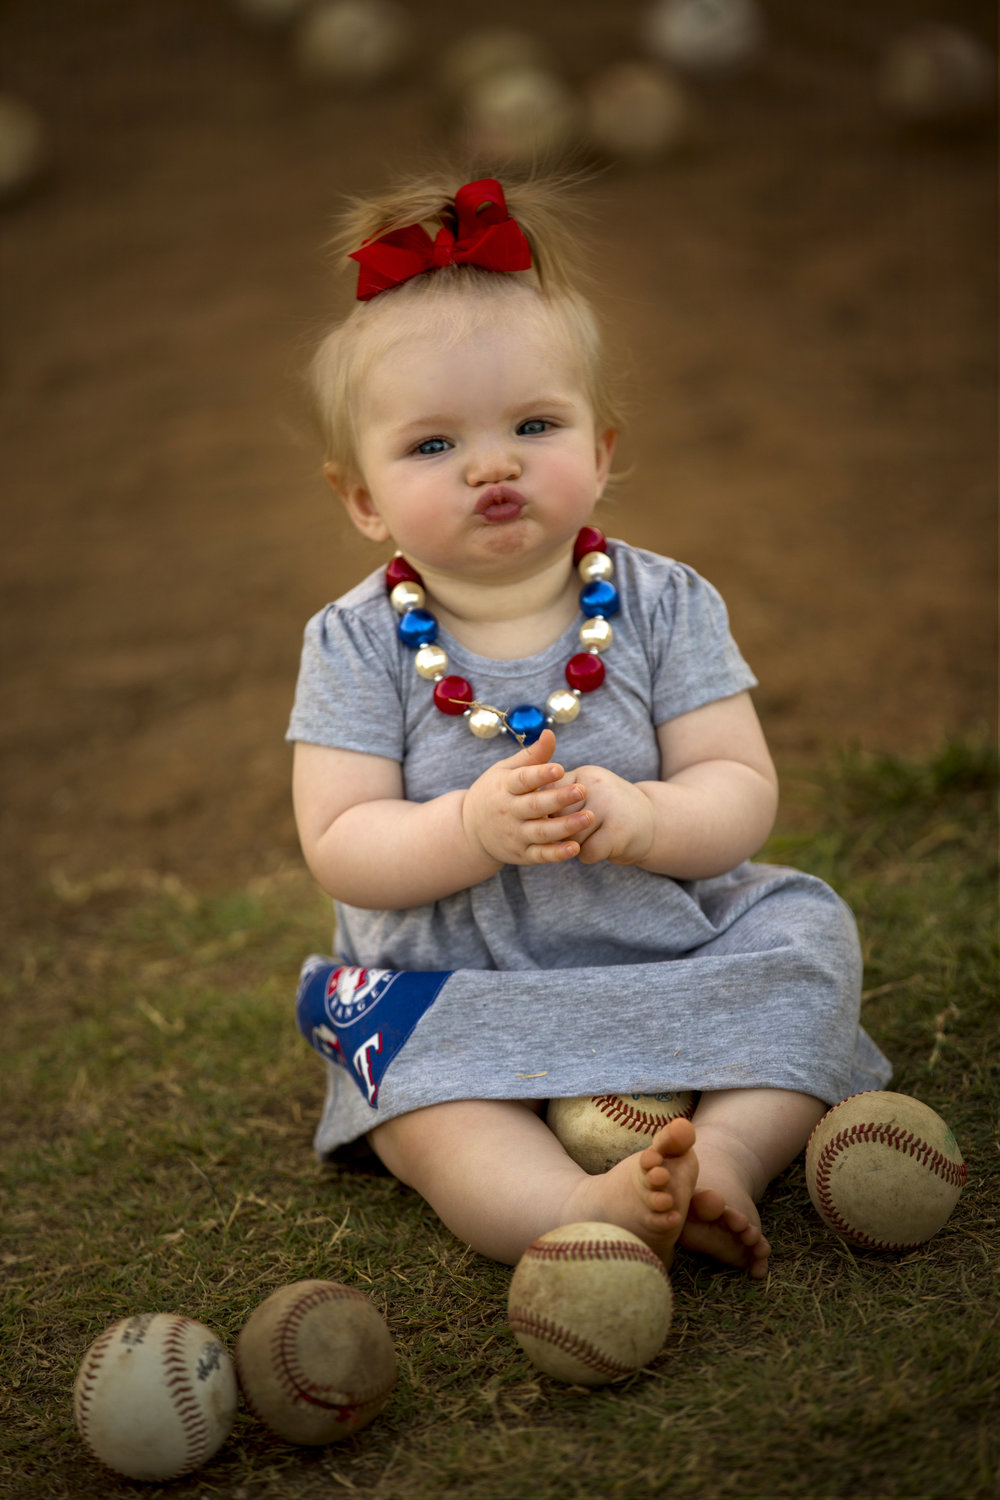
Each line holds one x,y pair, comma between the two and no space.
499,503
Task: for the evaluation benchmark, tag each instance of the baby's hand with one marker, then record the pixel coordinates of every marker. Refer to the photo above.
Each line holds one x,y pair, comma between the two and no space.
516,811
624,818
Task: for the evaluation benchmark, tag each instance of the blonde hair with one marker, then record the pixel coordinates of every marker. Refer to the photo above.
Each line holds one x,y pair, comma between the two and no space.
461,297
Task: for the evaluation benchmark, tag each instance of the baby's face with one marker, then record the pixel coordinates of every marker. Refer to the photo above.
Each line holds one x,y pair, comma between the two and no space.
477,447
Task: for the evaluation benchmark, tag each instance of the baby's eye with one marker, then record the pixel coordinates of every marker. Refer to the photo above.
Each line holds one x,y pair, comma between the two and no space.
533,427
430,446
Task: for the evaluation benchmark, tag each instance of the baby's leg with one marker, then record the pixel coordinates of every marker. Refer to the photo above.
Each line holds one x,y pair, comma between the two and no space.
497,1176
745,1138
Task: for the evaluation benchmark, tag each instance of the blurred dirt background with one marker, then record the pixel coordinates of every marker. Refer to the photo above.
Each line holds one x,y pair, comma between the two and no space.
806,301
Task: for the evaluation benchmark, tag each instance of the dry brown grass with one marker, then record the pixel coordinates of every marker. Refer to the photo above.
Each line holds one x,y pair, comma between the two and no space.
158,1107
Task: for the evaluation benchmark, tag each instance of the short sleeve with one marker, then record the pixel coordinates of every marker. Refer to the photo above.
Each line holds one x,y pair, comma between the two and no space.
696,660
347,695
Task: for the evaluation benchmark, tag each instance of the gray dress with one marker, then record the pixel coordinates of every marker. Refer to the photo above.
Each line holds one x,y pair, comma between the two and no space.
569,979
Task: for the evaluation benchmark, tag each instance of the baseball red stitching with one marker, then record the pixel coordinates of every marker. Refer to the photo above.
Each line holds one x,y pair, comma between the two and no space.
954,1173
88,1381
178,1386
178,1382
296,1386
614,1107
597,1250
523,1320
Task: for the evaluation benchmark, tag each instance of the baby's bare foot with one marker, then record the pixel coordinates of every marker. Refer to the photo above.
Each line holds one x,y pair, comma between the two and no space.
726,1232
648,1192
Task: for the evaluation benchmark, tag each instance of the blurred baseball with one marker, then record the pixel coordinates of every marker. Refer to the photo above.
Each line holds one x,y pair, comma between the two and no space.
518,115
937,73
635,111
155,1396
602,1129
590,1303
22,146
884,1170
357,42
704,36
315,1362
488,50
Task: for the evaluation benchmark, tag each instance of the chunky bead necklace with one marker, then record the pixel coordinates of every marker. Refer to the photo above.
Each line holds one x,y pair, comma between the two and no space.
418,628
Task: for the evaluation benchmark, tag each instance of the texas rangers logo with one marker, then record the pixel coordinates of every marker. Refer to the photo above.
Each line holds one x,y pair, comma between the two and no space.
361,1018
351,991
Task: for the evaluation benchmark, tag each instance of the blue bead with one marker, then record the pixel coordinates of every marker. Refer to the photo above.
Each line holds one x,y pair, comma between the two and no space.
526,720
416,628
599,598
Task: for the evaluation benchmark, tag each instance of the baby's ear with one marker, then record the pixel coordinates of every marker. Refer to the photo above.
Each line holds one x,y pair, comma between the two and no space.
357,501
605,454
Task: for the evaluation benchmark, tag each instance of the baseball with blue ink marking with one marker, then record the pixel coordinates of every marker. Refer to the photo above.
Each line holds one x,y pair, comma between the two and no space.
155,1396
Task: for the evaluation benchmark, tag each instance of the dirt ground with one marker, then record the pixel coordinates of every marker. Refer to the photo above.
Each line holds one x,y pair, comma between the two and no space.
806,301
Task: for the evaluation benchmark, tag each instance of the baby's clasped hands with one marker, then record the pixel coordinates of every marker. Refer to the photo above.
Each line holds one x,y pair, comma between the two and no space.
524,811
527,810
623,821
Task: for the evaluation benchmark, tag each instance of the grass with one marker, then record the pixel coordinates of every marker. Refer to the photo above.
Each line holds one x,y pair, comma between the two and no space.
157,1112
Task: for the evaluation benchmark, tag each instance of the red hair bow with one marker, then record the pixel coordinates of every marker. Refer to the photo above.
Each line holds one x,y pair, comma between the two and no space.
485,236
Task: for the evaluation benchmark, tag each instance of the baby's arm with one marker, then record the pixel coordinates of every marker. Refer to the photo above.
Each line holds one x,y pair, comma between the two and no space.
713,806
368,846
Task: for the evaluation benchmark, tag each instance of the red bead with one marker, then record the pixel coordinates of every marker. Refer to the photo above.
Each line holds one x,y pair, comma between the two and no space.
452,695
585,672
398,570
588,539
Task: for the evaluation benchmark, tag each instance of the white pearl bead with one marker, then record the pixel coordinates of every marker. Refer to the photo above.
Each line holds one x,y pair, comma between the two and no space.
485,723
562,706
595,565
407,595
596,634
431,662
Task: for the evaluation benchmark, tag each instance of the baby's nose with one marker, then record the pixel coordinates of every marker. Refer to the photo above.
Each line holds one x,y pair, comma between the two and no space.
492,463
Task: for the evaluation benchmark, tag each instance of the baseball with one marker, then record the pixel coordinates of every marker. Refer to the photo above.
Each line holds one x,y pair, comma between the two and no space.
884,1170
22,147
480,54
590,1303
155,1396
602,1129
519,114
315,1362
635,111
705,37
934,73
357,42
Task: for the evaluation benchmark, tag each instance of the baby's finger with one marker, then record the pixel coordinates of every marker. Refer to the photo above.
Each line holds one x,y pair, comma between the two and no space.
579,802
525,779
552,830
535,754
551,854
551,801
595,848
